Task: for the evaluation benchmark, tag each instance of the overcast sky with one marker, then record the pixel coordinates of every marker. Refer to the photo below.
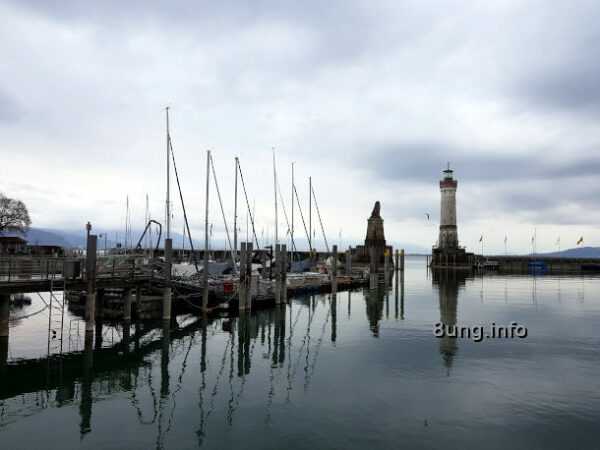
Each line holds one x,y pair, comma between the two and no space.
369,98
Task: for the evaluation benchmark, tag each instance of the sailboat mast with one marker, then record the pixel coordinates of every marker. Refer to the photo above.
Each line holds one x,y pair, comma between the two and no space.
310,214
168,201
275,190
146,219
149,225
235,235
205,265
292,227
127,223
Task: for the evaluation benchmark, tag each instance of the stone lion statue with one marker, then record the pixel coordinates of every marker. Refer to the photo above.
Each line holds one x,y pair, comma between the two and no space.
376,210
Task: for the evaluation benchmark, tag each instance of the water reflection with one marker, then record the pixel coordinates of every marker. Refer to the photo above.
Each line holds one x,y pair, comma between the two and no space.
378,298
374,305
448,284
230,381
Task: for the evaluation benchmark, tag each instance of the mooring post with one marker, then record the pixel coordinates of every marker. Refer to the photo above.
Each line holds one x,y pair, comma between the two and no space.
138,300
164,358
126,341
99,310
334,270
127,295
397,267
3,353
277,274
333,317
349,261
402,296
249,275
97,333
242,280
386,259
90,277
4,331
166,315
402,260
283,272
4,315
396,293
85,408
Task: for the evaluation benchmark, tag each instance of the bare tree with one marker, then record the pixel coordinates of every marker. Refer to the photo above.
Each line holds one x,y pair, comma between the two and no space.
14,216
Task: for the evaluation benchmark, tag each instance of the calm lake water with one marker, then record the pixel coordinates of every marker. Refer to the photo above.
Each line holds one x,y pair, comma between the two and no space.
355,370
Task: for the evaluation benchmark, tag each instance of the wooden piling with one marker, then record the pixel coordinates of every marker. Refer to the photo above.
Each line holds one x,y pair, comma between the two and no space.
4,330
386,259
402,260
397,266
99,309
165,357
85,408
138,300
349,261
283,296
90,278
334,270
242,280
249,275
4,315
127,296
277,274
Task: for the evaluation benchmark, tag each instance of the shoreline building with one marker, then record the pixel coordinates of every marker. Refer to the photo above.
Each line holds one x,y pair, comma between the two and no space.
448,253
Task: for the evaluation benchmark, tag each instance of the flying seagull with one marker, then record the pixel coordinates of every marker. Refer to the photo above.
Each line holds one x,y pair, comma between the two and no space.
427,214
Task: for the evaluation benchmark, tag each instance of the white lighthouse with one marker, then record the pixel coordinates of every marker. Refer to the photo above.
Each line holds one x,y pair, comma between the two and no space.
448,239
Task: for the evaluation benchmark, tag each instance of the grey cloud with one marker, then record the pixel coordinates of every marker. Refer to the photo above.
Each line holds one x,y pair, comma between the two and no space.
386,90
9,110
426,160
571,86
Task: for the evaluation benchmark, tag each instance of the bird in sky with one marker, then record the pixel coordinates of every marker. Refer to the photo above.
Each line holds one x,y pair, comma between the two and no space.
427,214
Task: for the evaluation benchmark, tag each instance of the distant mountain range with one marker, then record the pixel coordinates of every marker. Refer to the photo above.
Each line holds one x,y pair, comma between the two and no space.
77,238
578,252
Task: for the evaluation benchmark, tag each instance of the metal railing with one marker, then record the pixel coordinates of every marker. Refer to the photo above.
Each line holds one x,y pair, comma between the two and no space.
15,268
32,268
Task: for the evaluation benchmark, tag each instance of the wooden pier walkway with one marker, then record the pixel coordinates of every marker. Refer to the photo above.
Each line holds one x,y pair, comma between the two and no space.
24,274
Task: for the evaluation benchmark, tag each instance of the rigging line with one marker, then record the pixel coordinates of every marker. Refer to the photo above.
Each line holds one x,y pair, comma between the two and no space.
214,392
319,215
288,223
248,204
135,402
319,342
301,350
182,204
178,386
222,211
302,215
42,299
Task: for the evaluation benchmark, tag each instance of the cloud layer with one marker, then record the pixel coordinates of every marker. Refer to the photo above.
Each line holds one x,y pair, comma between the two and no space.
371,100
